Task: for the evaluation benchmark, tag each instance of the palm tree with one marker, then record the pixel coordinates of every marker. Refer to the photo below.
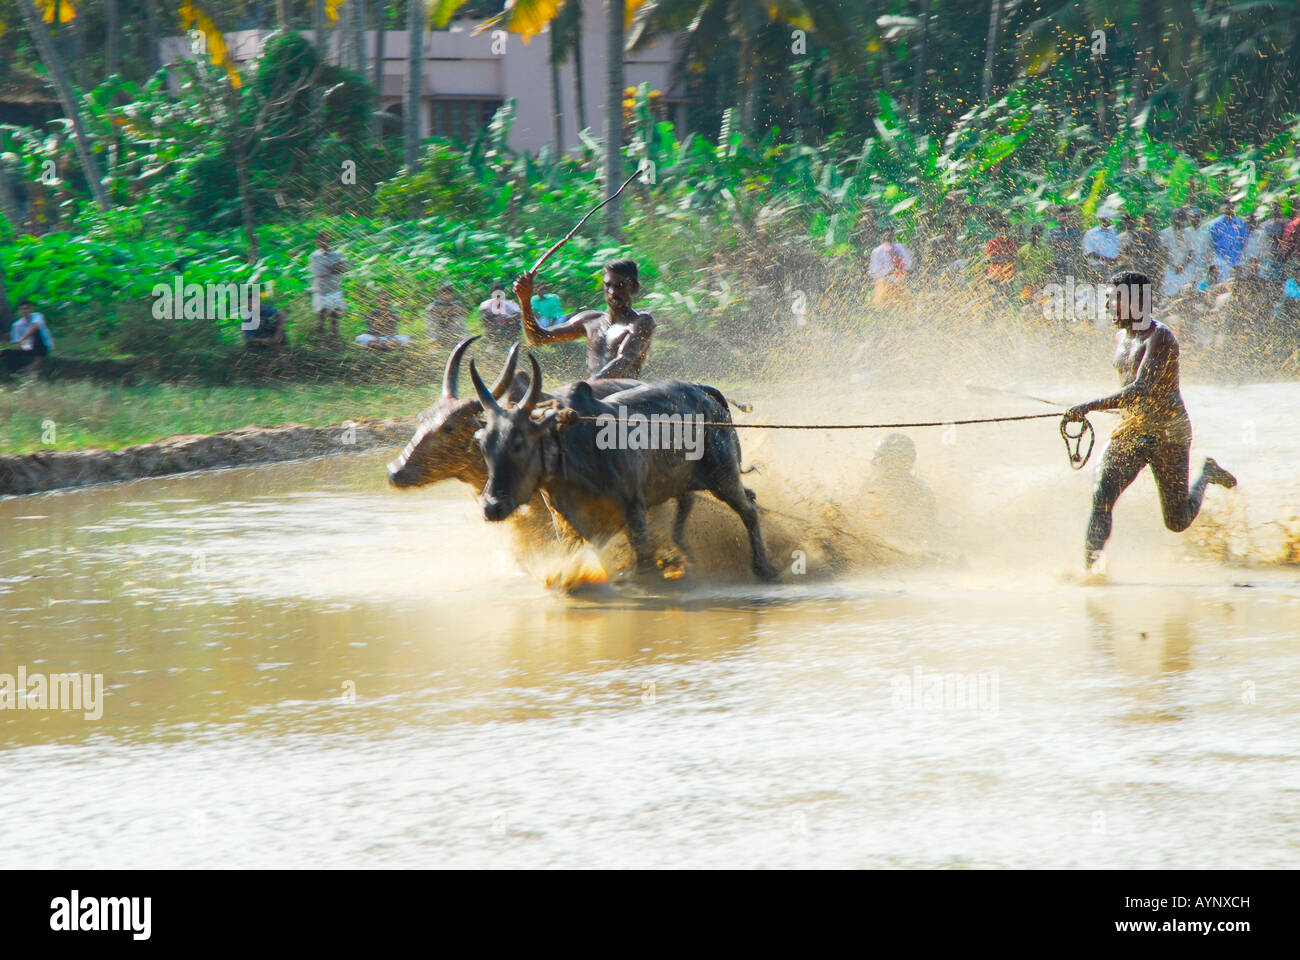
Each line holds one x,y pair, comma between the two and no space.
112,26
991,47
377,66
153,36
555,58
567,31
414,61
531,17
615,16
8,205
922,50
711,29
71,105
357,35
6,311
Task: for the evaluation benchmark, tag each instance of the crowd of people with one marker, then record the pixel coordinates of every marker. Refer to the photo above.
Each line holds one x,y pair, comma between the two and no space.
445,317
1203,266
1212,273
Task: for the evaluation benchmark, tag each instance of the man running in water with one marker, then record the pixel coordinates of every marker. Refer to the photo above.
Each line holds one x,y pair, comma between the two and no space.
1156,430
618,339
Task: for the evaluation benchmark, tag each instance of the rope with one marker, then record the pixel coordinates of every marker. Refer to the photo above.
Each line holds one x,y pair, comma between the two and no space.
858,426
1074,442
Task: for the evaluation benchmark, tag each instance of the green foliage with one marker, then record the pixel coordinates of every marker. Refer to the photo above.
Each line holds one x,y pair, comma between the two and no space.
444,185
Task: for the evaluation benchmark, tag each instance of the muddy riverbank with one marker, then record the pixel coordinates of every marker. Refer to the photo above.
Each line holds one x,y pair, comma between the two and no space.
59,469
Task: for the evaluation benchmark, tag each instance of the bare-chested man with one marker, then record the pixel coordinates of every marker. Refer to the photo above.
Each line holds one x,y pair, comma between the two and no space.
618,339
1156,430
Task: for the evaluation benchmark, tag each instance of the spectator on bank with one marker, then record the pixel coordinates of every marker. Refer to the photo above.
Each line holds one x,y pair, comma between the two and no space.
1033,261
500,317
1065,241
889,266
327,268
381,326
30,340
270,330
1262,256
546,306
444,318
1140,245
1181,255
1000,258
1290,247
1227,235
1101,248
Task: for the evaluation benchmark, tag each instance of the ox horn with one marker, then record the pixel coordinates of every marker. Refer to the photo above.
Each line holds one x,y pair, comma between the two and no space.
451,378
484,395
534,387
507,377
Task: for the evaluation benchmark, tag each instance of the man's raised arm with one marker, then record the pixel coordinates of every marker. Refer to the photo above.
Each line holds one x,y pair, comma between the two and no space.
534,333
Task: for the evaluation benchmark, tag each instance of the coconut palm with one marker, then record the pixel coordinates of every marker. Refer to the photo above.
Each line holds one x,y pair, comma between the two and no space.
35,20
709,29
529,18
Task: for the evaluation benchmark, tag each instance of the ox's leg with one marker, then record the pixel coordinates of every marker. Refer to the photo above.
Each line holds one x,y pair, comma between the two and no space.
638,535
684,504
734,495
565,532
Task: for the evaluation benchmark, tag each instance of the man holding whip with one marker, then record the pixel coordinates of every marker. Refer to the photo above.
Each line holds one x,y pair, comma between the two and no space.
618,338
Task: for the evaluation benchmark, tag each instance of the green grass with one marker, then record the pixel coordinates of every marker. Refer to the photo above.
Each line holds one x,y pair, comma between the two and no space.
81,415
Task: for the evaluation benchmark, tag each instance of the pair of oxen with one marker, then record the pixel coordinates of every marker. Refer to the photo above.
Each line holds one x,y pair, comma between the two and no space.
518,444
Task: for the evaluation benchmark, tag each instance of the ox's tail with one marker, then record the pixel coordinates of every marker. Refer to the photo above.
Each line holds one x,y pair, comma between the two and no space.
717,394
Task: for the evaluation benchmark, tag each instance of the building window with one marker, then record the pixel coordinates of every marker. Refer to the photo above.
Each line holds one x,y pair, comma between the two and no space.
461,119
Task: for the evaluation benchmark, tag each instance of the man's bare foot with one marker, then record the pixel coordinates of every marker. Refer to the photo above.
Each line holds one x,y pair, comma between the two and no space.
1216,474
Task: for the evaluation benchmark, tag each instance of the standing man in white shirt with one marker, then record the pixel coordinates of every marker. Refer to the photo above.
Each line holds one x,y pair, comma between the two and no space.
1101,248
1182,263
889,266
327,269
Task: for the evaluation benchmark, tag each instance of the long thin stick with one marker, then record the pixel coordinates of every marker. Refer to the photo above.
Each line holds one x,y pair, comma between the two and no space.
998,391
992,391
569,236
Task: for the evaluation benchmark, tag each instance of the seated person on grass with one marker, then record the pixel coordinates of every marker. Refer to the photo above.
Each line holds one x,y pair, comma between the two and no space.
444,318
270,328
29,338
381,326
546,306
500,317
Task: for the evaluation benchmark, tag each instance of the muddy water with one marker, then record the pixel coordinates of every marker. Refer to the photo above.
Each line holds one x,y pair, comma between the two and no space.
304,668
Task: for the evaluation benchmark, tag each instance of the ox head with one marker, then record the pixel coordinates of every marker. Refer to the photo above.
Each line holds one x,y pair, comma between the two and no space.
517,446
443,447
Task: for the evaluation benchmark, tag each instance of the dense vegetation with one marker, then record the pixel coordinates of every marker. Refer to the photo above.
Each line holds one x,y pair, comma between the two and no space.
792,162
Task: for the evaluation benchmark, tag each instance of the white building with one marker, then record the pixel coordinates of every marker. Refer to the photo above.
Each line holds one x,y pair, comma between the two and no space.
465,78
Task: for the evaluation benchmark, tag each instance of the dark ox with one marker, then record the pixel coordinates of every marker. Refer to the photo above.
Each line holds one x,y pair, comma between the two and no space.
600,491
443,446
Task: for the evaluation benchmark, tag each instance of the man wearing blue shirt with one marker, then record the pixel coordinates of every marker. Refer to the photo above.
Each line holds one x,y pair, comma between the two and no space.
1228,235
